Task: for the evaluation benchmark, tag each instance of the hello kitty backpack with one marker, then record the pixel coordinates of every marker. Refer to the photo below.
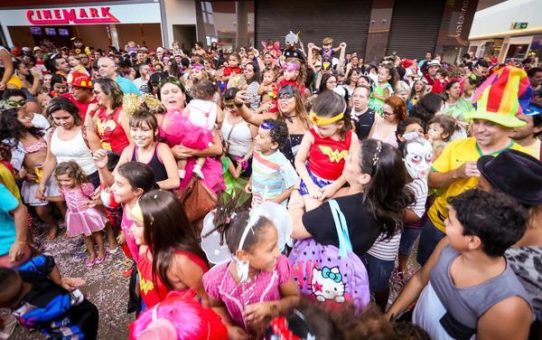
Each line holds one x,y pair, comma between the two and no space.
329,274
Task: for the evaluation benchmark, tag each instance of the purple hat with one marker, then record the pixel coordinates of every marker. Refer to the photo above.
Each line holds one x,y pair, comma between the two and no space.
516,174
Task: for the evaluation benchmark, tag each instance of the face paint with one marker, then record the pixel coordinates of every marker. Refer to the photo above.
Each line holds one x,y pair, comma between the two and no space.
418,158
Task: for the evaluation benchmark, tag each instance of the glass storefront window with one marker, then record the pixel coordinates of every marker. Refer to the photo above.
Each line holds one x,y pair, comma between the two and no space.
228,23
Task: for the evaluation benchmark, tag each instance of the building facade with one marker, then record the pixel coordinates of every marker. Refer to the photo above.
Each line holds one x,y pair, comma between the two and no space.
508,30
372,28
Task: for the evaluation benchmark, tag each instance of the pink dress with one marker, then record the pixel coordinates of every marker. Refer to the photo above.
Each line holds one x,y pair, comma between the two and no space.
81,220
220,285
212,169
177,129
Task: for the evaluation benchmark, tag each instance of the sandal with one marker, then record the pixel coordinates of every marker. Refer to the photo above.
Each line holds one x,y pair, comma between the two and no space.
90,263
100,260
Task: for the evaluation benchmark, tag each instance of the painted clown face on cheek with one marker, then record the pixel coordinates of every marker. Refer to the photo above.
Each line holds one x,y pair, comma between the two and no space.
418,157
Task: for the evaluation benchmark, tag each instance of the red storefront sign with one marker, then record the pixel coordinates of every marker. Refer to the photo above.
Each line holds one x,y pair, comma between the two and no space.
67,16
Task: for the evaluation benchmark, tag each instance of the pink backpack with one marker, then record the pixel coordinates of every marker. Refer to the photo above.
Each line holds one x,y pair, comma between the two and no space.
329,274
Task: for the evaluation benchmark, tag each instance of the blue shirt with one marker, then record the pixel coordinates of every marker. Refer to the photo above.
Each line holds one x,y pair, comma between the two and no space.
8,203
127,86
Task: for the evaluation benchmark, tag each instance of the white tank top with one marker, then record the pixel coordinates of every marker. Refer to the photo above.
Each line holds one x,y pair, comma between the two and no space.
238,137
73,150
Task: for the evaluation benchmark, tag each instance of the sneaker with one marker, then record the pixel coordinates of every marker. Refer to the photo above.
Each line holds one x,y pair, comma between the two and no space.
197,172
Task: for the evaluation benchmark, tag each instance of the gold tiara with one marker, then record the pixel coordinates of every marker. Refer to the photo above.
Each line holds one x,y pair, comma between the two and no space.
325,120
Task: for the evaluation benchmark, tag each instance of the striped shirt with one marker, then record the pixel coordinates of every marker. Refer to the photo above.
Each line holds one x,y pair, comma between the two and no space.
271,176
387,249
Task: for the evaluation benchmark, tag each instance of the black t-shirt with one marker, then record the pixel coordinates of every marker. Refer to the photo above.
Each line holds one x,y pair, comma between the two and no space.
362,227
363,124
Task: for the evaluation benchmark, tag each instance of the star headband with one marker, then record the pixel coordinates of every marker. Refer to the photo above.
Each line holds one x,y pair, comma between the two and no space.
320,121
267,125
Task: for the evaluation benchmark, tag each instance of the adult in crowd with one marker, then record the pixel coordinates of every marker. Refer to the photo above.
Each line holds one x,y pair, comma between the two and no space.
29,152
81,93
431,76
237,134
58,65
455,105
528,135
173,96
290,108
535,78
362,117
526,188
384,128
108,69
107,118
19,79
68,141
252,78
455,170
372,206
142,81
14,248
6,67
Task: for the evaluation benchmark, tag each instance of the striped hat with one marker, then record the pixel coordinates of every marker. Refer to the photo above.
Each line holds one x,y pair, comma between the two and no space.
502,97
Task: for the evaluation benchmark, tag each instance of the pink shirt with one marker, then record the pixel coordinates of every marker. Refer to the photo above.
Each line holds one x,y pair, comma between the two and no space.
125,226
220,285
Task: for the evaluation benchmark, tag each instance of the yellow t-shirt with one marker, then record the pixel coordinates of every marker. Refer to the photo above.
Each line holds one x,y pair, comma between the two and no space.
454,155
8,179
534,149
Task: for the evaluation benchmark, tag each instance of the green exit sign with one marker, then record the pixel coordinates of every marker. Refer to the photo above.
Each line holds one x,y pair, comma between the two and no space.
519,25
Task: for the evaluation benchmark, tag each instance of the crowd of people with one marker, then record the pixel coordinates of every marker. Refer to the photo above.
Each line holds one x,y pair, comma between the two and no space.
254,191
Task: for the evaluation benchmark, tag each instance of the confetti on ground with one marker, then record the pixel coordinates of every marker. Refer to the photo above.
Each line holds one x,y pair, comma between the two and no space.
105,286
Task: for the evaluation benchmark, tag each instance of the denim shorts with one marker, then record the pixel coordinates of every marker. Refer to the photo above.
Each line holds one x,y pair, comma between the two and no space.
408,238
429,239
379,272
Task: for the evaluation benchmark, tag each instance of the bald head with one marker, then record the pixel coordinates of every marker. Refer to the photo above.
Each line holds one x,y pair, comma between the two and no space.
107,68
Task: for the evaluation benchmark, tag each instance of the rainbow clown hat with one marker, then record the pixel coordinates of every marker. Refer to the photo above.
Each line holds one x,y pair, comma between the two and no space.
503,96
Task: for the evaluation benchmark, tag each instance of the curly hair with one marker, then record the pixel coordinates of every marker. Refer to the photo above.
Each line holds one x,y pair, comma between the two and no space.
398,106
497,219
448,124
278,132
72,170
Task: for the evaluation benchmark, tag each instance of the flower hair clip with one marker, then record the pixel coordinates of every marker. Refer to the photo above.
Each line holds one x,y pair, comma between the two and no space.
376,156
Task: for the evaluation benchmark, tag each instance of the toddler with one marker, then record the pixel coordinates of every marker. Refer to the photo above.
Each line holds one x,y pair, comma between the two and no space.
439,132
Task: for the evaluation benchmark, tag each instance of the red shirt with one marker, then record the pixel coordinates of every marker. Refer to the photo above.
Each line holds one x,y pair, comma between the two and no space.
153,289
110,131
228,71
83,107
326,155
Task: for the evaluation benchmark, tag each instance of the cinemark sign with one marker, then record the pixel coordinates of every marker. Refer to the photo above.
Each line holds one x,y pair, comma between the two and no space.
87,15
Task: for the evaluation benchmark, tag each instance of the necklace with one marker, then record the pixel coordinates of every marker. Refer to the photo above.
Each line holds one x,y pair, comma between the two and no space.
289,118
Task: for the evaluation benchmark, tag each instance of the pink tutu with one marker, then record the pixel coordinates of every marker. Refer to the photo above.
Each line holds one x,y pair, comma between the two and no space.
81,220
177,129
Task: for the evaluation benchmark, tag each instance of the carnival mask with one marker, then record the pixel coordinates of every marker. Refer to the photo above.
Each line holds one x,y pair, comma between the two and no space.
418,155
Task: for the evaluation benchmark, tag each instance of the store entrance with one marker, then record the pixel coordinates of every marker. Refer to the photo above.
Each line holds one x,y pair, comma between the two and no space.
185,35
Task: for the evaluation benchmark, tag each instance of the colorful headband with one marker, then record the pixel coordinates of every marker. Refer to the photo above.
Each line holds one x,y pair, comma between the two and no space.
320,121
290,67
267,125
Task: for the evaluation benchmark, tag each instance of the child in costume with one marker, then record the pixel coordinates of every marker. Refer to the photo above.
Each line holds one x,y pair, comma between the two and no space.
273,176
327,52
256,283
383,88
292,74
321,156
291,51
41,299
80,218
268,89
